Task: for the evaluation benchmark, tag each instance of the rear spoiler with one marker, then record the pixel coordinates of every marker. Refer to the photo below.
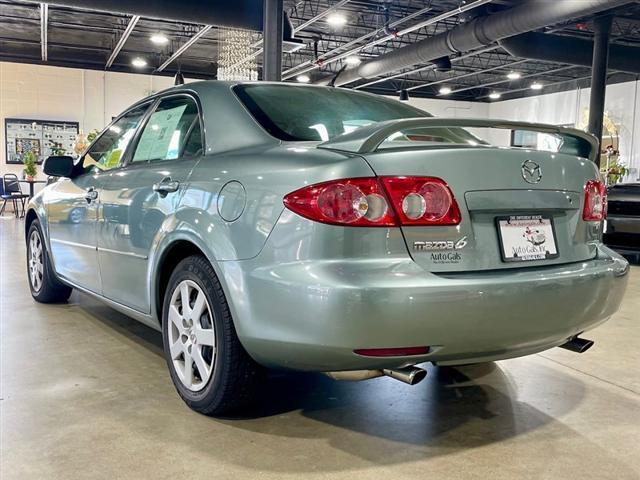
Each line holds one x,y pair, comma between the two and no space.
367,139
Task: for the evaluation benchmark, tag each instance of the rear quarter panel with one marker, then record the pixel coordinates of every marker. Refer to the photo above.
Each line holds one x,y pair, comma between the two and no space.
265,175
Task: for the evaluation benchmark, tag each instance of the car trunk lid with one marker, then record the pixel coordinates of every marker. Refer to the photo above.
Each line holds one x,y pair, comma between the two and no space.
510,219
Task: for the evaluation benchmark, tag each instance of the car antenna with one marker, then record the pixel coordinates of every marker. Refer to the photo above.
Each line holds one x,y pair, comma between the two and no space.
332,83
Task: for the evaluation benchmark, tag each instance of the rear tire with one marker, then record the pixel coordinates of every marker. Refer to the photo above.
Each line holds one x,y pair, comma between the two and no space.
43,283
210,369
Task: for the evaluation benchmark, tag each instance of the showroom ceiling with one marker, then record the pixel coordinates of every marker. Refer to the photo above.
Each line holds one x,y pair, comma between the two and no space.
333,33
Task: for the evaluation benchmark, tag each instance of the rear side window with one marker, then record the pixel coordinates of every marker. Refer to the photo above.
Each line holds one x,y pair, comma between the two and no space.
168,130
291,112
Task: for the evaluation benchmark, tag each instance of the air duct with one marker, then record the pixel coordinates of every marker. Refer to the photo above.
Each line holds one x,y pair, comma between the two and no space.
482,31
571,50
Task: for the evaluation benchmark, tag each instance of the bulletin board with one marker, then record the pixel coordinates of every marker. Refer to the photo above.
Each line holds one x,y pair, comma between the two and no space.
42,137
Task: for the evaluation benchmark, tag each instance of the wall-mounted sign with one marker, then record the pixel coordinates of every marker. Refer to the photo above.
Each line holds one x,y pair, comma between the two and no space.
42,137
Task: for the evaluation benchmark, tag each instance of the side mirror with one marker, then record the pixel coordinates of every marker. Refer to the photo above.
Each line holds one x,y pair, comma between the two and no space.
59,166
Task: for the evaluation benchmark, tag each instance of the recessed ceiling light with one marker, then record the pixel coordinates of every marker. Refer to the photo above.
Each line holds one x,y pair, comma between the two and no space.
353,60
445,91
514,75
495,96
139,62
536,86
159,39
303,78
336,19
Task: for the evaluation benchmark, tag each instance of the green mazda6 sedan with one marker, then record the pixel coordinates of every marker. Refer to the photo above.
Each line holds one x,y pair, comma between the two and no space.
320,229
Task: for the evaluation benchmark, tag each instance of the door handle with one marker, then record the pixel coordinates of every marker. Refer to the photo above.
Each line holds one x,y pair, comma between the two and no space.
165,186
91,194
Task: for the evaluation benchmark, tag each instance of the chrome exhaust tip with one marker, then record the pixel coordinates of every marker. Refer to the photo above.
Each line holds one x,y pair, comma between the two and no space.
408,375
578,345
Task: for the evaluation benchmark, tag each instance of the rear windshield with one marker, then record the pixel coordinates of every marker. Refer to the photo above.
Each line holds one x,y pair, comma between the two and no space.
304,113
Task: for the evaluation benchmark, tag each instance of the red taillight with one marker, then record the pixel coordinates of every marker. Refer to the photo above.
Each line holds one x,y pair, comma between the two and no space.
595,201
392,352
422,200
354,201
373,202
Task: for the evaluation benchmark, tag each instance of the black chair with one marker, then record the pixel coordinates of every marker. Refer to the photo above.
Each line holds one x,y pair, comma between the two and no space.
13,192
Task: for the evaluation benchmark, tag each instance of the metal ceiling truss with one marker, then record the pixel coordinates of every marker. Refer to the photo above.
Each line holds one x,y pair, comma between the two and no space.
90,39
125,35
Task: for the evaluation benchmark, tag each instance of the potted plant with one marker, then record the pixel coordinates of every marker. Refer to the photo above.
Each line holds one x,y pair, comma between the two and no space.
614,170
30,169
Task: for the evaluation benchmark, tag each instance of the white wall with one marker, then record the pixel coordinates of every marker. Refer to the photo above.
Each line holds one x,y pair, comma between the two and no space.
92,98
89,97
622,106
450,108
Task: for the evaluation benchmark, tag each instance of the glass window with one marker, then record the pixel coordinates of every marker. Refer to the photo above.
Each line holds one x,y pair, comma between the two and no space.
291,112
193,146
164,135
107,151
535,140
431,136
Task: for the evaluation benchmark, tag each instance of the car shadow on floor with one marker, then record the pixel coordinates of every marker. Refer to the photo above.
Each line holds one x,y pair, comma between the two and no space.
380,420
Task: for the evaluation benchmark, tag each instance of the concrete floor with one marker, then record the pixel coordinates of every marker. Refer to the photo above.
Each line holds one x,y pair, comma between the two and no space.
85,394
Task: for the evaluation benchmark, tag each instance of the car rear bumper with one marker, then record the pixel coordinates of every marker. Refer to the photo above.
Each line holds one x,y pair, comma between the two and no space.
311,315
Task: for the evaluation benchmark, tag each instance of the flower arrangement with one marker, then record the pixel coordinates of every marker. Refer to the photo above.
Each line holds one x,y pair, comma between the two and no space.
613,170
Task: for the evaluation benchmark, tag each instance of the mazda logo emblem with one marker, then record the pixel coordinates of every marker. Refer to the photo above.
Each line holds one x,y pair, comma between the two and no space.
531,172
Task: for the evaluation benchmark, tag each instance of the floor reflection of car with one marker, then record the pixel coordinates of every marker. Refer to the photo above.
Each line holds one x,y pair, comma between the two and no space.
622,231
262,225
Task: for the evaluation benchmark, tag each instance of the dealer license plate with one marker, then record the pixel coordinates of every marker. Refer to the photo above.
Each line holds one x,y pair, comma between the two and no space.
525,238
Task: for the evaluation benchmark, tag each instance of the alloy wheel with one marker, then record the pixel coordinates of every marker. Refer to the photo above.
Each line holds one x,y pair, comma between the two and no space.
36,261
191,335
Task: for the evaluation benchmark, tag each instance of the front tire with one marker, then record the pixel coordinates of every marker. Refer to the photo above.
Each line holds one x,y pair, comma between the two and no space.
43,283
210,369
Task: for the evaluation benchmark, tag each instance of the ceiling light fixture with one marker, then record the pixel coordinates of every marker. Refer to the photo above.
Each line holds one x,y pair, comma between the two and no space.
536,86
159,39
303,78
336,19
445,91
495,96
139,62
353,60
514,75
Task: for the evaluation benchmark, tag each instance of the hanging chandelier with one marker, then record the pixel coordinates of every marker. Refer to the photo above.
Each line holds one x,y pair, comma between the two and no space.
234,47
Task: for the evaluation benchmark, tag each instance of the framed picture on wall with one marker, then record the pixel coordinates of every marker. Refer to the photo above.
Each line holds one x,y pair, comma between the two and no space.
42,137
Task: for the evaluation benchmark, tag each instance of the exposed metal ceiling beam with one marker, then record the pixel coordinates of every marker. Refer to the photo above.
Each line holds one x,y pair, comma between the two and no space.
431,66
490,84
184,47
44,22
481,31
430,21
127,31
300,27
524,89
471,74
